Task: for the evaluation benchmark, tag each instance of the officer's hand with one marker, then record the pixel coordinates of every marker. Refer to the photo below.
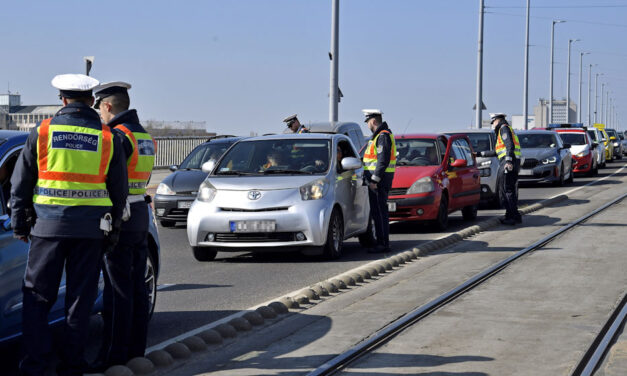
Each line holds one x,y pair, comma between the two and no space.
111,240
319,163
509,166
373,186
23,238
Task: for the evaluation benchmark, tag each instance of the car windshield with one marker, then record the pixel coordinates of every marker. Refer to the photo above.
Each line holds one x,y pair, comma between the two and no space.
416,152
277,157
204,153
573,138
537,141
611,132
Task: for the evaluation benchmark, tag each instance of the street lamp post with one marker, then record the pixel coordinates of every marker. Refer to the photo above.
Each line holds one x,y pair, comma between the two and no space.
526,73
596,95
479,99
602,97
589,93
579,109
334,93
551,69
570,41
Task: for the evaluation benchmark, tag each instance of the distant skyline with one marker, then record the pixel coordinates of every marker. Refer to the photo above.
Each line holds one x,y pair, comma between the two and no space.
244,65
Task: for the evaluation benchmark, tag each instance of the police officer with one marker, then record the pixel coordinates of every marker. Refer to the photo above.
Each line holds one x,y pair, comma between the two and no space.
294,125
126,305
72,172
508,151
379,165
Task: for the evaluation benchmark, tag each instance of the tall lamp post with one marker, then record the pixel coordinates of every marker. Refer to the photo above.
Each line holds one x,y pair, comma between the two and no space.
589,94
570,41
602,97
551,69
479,99
579,109
526,74
334,94
596,96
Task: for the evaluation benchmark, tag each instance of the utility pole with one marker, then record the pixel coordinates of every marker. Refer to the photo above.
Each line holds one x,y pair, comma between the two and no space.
589,92
526,74
551,69
579,109
602,96
570,41
479,99
334,90
596,96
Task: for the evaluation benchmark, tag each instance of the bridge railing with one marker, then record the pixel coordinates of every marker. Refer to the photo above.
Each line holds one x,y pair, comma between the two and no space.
172,150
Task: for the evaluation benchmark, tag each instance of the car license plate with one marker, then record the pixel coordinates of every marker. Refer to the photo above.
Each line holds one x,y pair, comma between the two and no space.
391,206
526,172
184,204
253,226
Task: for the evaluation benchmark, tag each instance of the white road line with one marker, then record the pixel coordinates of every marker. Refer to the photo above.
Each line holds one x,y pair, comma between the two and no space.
224,320
165,286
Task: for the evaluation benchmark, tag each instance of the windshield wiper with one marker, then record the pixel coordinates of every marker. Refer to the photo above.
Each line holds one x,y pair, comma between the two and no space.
238,173
268,172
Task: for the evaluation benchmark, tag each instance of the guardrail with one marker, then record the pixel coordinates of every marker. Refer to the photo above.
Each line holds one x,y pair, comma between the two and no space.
172,150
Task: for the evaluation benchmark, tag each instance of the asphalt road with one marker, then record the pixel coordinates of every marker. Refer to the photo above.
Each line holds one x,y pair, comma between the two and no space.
196,293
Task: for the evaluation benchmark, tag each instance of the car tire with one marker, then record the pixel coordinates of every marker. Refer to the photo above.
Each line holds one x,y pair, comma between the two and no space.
571,177
441,222
150,276
369,238
332,249
165,223
560,181
469,212
593,170
204,253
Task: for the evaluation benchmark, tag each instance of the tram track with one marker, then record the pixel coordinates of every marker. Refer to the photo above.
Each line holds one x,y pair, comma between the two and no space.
385,334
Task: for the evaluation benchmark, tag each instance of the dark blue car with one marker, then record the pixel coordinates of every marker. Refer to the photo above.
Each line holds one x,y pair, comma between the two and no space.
14,253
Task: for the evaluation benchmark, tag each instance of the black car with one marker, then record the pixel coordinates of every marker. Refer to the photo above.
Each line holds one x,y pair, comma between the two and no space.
178,190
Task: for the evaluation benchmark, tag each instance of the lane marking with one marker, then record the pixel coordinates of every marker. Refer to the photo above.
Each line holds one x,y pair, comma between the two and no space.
226,319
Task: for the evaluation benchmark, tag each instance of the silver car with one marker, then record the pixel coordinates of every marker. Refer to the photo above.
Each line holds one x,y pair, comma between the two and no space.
545,158
281,192
597,142
483,142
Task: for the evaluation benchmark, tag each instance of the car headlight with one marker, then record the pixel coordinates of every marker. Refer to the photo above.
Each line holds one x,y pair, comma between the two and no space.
552,159
582,154
616,144
314,190
206,192
485,172
486,163
422,185
164,189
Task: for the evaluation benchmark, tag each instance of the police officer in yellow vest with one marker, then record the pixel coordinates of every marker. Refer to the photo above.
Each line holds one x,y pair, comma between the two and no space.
126,305
72,173
508,151
294,125
379,165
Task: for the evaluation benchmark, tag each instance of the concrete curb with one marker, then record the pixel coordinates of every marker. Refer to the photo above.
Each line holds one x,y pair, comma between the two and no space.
160,361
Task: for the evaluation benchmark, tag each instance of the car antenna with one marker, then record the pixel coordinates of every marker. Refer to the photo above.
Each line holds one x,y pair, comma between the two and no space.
407,126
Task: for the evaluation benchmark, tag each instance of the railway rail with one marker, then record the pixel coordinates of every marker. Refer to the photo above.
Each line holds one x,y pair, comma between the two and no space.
588,364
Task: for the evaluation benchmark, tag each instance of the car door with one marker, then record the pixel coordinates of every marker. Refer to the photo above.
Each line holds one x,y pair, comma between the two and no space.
469,175
454,175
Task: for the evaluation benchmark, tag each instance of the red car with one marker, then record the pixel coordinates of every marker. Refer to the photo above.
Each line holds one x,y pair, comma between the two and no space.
581,148
435,175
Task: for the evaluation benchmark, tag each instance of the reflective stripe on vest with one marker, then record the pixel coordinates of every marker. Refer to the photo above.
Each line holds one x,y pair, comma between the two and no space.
370,157
140,163
73,162
501,150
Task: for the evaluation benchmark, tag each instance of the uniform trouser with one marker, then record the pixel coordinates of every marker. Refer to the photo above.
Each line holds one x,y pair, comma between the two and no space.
125,312
379,211
46,259
507,190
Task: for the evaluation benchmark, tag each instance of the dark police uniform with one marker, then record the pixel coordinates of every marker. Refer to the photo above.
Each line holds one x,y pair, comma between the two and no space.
507,142
381,172
64,234
126,304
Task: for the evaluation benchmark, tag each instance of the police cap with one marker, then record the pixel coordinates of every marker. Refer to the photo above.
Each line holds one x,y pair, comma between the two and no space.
74,85
496,115
369,113
290,119
108,89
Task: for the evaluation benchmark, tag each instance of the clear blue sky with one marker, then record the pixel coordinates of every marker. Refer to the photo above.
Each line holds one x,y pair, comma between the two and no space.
243,65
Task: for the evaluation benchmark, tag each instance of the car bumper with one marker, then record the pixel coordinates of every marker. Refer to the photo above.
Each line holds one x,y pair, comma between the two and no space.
419,207
307,217
538,174
582,164
172,208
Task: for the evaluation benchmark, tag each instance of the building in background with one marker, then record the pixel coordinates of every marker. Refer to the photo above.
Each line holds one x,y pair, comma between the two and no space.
15,116
519,123
560,113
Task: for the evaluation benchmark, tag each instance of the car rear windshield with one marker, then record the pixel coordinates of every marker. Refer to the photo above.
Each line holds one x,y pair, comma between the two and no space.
611,132
277,157
204,153
573,138
593,135
537,141
416,152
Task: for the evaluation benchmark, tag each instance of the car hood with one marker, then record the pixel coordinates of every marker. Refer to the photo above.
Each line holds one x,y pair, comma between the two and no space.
539,153
576,149
405,176
185,180
271,182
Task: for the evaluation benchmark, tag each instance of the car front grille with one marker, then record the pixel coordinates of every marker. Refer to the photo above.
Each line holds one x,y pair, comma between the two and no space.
529,163
229,237
398,191
281,208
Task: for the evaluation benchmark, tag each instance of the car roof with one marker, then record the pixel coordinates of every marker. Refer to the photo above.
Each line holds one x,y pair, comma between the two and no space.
295,136
486,130
570,130
419,135
328,126
535,131
229,139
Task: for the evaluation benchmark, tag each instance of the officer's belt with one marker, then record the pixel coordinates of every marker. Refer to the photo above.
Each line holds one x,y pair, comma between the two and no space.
135,198
137,185
71,193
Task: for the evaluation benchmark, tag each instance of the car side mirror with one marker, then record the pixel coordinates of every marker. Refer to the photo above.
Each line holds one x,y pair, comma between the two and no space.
208,166
459,163
595,144
613,138
566,146
173,168
351,163
604,139
487,154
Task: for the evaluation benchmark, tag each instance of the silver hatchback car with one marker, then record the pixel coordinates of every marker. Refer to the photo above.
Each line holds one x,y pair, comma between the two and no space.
284,192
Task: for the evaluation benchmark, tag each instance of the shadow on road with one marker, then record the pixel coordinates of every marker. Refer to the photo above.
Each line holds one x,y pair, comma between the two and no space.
190,286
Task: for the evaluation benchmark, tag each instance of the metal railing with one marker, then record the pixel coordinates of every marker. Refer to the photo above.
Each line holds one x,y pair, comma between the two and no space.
172,150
